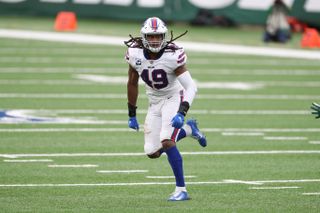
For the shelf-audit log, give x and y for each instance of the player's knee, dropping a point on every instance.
(154, 155)
(167, 144)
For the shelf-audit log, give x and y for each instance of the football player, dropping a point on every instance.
(170, 90)
(316, 109)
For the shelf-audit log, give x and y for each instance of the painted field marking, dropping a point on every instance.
(45, 82)
(275, 187)
(43, 70)
(311, 193)
(314, 142)
(121, 96)
(122, 171)
(271, 152)
(285, 138)
(67, 60)
(243, 182)
(190, 46)
(169, 177)
(242, 133)
(73, 166)
(123, 79)
(27, 161)
(130, 130)
(41, 50)
(194, 111)
(232, 72)
(152, 183)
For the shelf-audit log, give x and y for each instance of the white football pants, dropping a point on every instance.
(157, 125)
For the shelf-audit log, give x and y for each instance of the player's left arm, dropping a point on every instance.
(185, 79)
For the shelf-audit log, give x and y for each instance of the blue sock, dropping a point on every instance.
(182, 134)
(176, 164)
(178, 134)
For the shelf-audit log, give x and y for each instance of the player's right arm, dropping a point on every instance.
(132, 95)
(132, 86)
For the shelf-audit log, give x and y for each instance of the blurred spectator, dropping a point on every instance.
(277, 26)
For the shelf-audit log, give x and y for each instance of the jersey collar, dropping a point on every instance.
(147, 55)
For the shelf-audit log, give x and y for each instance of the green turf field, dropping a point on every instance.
(263, 149)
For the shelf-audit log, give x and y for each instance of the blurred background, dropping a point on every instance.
(245, 15)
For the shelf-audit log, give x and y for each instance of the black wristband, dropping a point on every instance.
(131, 110)
(184, 107)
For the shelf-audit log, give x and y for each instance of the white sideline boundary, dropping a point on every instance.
(270, 152)
(158, 183)
(190, 46)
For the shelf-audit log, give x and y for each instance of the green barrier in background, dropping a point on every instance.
(240, 11)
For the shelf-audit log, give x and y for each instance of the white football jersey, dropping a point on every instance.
(158, 75)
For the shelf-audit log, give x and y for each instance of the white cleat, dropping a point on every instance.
(179, 196)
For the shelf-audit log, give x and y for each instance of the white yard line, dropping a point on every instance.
(122, 171)
(121, 96)
(52, 60)
(69, 130)
(242, 133)
(286, 138)
(27, 161)
(275, 187)
(243, 182)
(43, 70)
(169, 177)
(265, 130)
(194, 111)
(153, 183)
(258, 152)
(314, 142)
(73, 166)
(202, 85)
(130, 130)
(190, 46)
(311, 193)
(58, 51)
(106, 70)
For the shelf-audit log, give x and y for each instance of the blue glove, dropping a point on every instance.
(178, 120)
(133, 123)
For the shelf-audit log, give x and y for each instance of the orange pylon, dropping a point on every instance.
(310, 38)
(65, 21)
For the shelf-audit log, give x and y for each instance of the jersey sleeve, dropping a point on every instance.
(177, 57)
(181, 57)
(129, 57)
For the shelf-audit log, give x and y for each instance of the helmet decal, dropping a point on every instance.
(154, 24)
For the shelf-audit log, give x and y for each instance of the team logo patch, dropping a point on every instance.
(138, 62)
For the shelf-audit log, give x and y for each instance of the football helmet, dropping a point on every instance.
(153, 33)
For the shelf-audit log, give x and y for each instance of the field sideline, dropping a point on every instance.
(65, 145)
